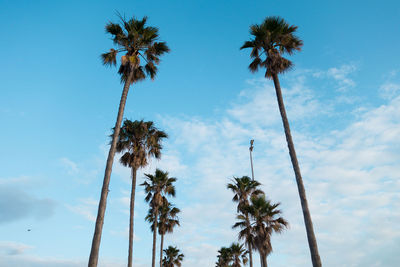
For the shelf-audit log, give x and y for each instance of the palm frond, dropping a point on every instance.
(255, 64)
(109, 58)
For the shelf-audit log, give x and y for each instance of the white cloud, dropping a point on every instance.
(71, 167)
(87, 207)
(389, 90)
(340, 75)
(13, 248)
(82, 172)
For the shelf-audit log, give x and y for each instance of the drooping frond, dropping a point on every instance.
(109, 58)
(264, 219)
(255, 64)
(151, 69)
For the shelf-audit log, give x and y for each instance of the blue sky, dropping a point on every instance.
(58, 104)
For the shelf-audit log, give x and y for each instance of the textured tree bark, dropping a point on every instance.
(94, 252)
(131, 217)
(153, 260)
(161, 249)
(312, 242)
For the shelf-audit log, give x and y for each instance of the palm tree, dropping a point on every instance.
(137, 40)
(157, 187)
(239, 255)
(167, 220)
(264, 222)
(224, 257)
(244, 188)
(139, 141)
(172, 257)
(274, 37)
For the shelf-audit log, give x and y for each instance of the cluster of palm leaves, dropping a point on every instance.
(142, 50)
(233, 256)
(172, 258)
(257, 218)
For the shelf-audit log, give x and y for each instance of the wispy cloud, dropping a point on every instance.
(340, 74)
(86, 207)
(13, 248)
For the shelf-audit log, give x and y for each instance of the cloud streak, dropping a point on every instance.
(17, 204)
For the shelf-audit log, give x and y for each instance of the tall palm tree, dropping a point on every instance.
(139, 141)
(271, 39)
(157, 186)
(173, 257)
(265, 221)
(239, 255)
(137, 41)
(167, 220)
(244, 188)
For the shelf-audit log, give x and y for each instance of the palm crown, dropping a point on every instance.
(137, 41)
(264, 214)
(140, 140)
(243, 188)
(167, 220)
(224, 257)
(273, 38)
(232, 256)
(173, 257)
(239, 255)
(157, 186)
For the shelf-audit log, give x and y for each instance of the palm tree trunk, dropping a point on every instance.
(153, 260)
(312, 242)
(161, 249)
(250, 254)
(261, 260)
(94, 252)
(131, 221)
(249, 243)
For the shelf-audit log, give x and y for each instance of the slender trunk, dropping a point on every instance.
(265, 261)
(94, 252)
(153, 260)
(312, 242)
(261, 260)
(132, 212)
(161, 249)
(249, 243)
(250, 254)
